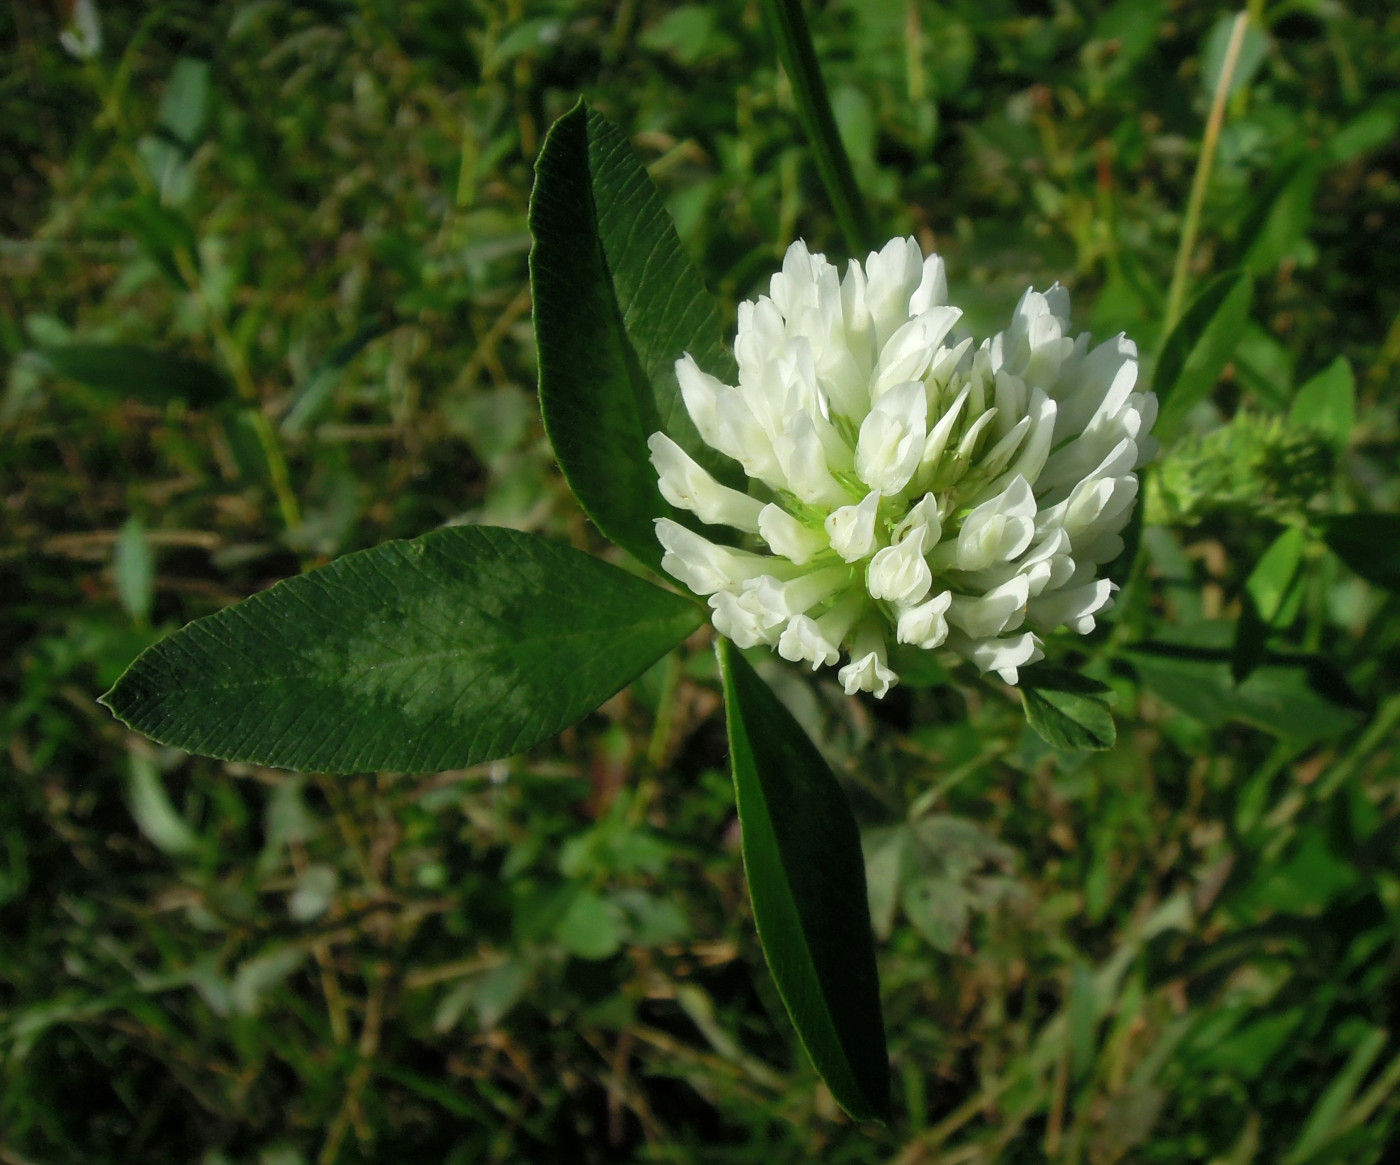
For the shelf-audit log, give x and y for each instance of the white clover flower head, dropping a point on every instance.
(904, 482)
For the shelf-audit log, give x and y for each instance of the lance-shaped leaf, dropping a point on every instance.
(616, 304)
(807, 880)
(465, 645)
(1199, 347)
(145, 374)
(1066, 709)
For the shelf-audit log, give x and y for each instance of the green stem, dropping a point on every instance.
(788, 27)
(1192, 224)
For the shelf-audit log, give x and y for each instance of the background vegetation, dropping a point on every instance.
(298, 233)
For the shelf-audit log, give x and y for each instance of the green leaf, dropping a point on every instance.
(1327, 403)
(616, 304)
(184, 106)
(153, 812)
(1066, 709)
(134, 570)
(1368, 130)
(1199, 347)
(1272, 577)
(464, 645)
(1369, 544)
(145, 374)
(1254, 49)
(806, 877)
(591, 927)
(1299, 698)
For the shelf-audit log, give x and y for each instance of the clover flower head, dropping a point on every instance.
(905, 483)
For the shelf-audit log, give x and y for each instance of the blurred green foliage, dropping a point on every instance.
(262, 302)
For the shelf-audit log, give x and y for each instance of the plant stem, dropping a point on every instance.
(788, 27)
(1192, 224)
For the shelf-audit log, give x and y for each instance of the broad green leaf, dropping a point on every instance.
(1299, 698)
(591, 927)
(1277, 226)
(1369, 544)
(464, 645)
(806, 877)
(145, 374)
(184, 106)
(1254, 48)
(616, 304)
(1327, 403)
(1066, 709)
(1133, 26)
(1272, 577)
(1368, 130)
(1199, 347)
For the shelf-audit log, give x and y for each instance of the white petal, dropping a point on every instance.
(868, 670)
(686, 484)
(892, 277)
(700, 392)
(740, 617)
(852, 528)
(787, 536)
(925, 625)
(802, 641)
(996, 531)
(898, 573)
(705, 567)
(795, 596)
(933, 287)
(803, 464)
(1003, 656)
(1002, 609)
(1073, 607)
(911, 350)
(892, 438)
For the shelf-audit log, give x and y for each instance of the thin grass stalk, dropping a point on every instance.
(1190, 228)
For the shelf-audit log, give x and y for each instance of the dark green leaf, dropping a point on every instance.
(1368, 130)
(1369, 544)
(1272, 578)
(1254, 49)
(145, 374)
(1278, 225)
(1251, 643)
(464, 645)
(616, 304)
(1067, 709)
(807, 881)
(184, 106)
(1199, 347)
(1327, 403)
(1300, 698)
(160, 231)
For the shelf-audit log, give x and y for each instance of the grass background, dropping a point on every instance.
(1182, 950)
